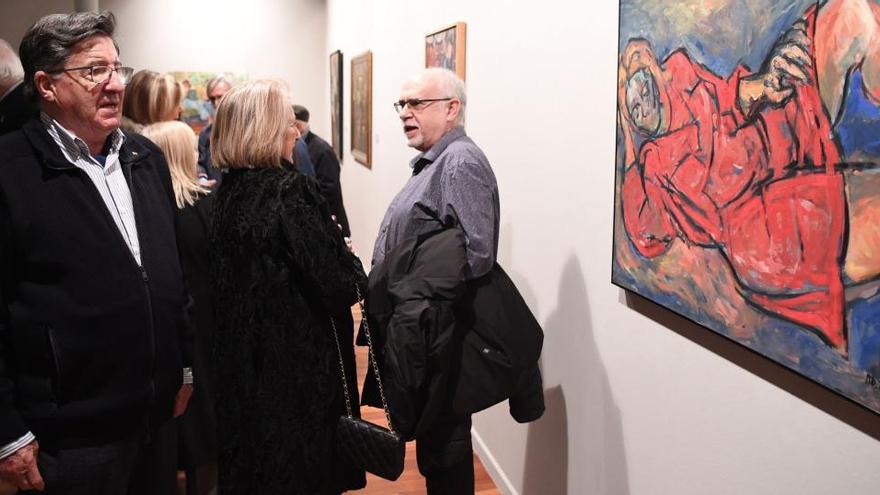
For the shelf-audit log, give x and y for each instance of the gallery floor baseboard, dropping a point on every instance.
(491, 464)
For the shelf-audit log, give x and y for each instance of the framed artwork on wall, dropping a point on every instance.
(747, 191)
(336, 102)
(362, 108)
(446, 48)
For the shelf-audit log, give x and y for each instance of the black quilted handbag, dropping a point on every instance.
(366, 445)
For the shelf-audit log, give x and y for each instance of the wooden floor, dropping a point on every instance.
(410, 482)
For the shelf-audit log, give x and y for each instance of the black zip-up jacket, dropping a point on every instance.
(448, 346)
(90, 343)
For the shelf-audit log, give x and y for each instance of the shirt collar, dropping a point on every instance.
(423, 159)
(74, 147)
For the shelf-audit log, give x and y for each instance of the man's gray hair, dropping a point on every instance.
(450, 85)
(47, 44)
(216, 81)
(10, 66)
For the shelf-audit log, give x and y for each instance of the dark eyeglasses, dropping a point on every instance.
(416, 103)
(99, 74)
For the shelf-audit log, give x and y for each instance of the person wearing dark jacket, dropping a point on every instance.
(92, 300)
(326, 165)
(15, 108)
(280, 271)
(452, 185)
(197, 440)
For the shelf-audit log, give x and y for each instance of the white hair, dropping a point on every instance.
(11, 71)
(450, 84)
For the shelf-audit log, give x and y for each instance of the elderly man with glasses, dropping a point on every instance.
(452, 185)
(92, 319)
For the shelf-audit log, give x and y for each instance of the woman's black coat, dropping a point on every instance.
(280, 269)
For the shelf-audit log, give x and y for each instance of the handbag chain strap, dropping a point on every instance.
(372, 361)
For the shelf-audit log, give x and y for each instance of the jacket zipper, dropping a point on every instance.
(57, 363)
(144, 277)
(146, 280)
(149, 298)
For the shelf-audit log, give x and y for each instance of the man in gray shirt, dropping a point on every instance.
(452, 185)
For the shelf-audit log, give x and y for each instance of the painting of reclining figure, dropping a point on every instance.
(748, 176)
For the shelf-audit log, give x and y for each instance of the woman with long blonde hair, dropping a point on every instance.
(178, 141)
(196, 430)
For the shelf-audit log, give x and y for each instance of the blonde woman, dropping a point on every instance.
(197, 427)
(151, 97)
(280, 270)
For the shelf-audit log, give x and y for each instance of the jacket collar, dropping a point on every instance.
(50, 155)
(424, 159)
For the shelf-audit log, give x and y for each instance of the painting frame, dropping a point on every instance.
(698, 272)
(362, 108)
(336, 109)
(447, 47)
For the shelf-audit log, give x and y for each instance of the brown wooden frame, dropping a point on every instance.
(362, 108)
(336, 103)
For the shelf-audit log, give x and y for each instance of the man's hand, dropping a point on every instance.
(20, 468)
(182, 399)
(788, 65)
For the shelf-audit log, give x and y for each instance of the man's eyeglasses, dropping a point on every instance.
(99, 74)
(416, 103)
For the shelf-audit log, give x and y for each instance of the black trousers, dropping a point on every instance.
(144, 463)
(445, 457)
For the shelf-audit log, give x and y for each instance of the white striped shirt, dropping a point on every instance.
(108, 179)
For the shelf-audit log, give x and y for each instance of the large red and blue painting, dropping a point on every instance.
(748, 176)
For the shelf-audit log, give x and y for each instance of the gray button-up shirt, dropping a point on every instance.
(452, 185)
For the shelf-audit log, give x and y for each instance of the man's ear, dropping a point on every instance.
(454, 110)
(45, 85)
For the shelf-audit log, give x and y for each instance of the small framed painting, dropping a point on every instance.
(362, 108)
(446, 48)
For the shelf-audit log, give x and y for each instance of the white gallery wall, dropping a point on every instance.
(280, 39)
(18, 15)
(633, 408)
(260, 38)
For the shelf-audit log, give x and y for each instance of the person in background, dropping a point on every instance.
(326, 166)
(149, 98)
(15, 109)
(93, 331)
(302, 160)
(280, 271)
(197, 427)
(216, 88)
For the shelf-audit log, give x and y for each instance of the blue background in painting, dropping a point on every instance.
(859, 127)
(743, 33)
